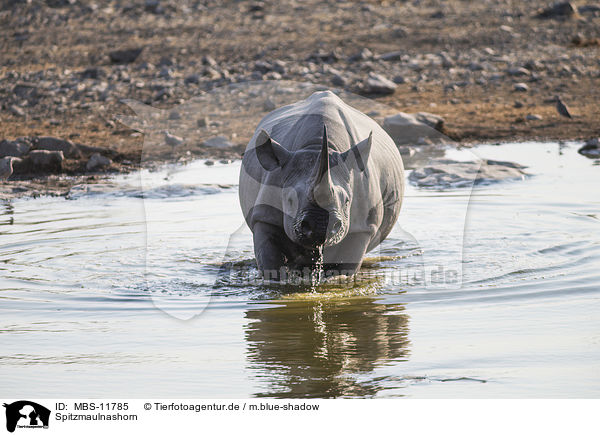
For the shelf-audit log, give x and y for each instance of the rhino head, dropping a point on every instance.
(317, 187)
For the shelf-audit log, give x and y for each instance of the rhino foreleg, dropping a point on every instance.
(346, 257)
(270, 257)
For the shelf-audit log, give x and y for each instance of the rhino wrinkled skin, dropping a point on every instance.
(320, 182)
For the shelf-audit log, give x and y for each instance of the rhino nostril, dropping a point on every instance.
(306, 228)
(337, 226)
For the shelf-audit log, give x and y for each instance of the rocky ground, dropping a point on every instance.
(491, 69)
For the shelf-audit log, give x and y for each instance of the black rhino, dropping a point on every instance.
(320, 183)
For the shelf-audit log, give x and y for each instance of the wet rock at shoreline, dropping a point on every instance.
(434, 121)
(445, 173)
(407, 128)
(591, 148)
(97, 161)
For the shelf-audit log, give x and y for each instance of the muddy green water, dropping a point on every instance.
(109, 294)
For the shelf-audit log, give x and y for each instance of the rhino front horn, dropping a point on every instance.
(322, 185)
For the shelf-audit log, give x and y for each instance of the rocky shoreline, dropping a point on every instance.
(490, 71)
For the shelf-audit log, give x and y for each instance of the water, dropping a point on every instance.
(95, 292)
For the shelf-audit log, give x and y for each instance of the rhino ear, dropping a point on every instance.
(358, 155)
(270, 154)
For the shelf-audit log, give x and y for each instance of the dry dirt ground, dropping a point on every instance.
(459, 59)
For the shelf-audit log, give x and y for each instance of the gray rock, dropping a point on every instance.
(591, 148)
(533, 117)
(211, 73)
(558, 10)
(25, 91)
(256, 7)
(262, 66)
(279, 66)
(589, 8)
(445, 173)
(97, 161)
(518, 72)
(125, 56)
(378, 84)
(165, 73)
(192, 79)
(154, 7)
(93, 73)
(434, 121)
(45, 161)
(217, 142)
(273, 75)
(165, 61)
(364, 54)
(520, 87)
(406, 151)
(209, 61)
(534, 65)
(203, 122)
(16, 110)
(392, 56)
(48, 143)
(447, 61)
(406, 128)
(269, 105)
(518, 104)
(339, 80)
(10, 148)
(400, 32)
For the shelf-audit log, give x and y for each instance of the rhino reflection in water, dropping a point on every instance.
(318, 349)
(320, 183)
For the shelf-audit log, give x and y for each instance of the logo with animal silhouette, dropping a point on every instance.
(25, 414)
